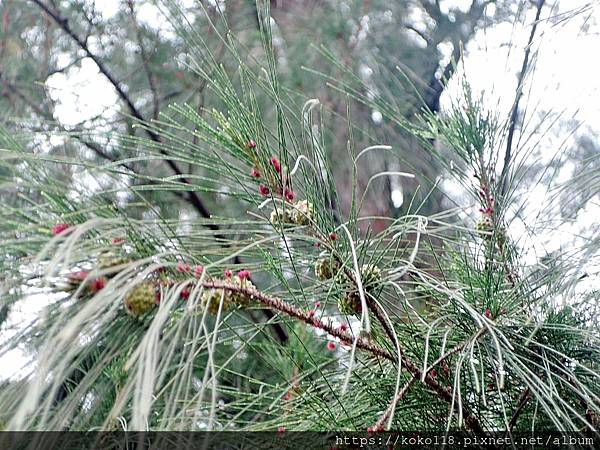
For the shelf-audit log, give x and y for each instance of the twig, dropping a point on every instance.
(63, 22)
(520, 407)
(191, 196)
(379, 426)
(515, 109)
(444, 392)
(145, 61)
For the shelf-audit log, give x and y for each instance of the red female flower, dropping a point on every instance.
(98, 283)
(243, 274)
(331, 345)
(227, 273)
(198, 271)
(251, 143)
(183, 267)
(60, 227)
(276, 164)
(333, 235)
(264, 190)
(289, 194)
(255, 173)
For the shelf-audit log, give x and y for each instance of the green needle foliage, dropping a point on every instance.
(151, 322)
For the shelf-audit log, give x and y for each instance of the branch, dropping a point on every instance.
(520, 407)
(515, 110)
(470, 18)
(443, 392)
(380, 425)
(191, 196)
(63, 22)
(145, 59)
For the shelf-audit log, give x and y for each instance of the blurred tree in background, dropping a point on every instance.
(135, 48)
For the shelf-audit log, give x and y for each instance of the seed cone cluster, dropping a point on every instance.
(140, 299)
(350, 303)
(211, 298)
(299, 213)
(326, 268)
(108, 260)
(485, 224)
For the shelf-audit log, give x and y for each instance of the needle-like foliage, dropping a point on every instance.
(141, 321)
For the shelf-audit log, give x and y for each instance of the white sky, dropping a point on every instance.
(566, 80)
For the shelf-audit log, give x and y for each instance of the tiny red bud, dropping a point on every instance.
(255, 173)
(118, 240)
(157, 296)
(343, 327)
(98, 283)
(228, 273)
(60, 227)
(264, 190)
(183, 267)
(198, 271)
(287, 396)
(331, 345)
(281, 429)
(243, 274)
(317, 244)
(433, 373)
(79, 275)
(317, 304)
(276, 164)
(333, 235)
(289, 194)
(185, 293)
(251, 143)
(488, 313)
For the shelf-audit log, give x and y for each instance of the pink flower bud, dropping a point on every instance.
(251, 143)
(243, 274)
(255, 173)
(331, 345)
(264, 190)
(182, 267)
(276, 164)
(60, 227)
(289, 194)
(98, 283)
(228, 273)
(333, 235)
(198, 271)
